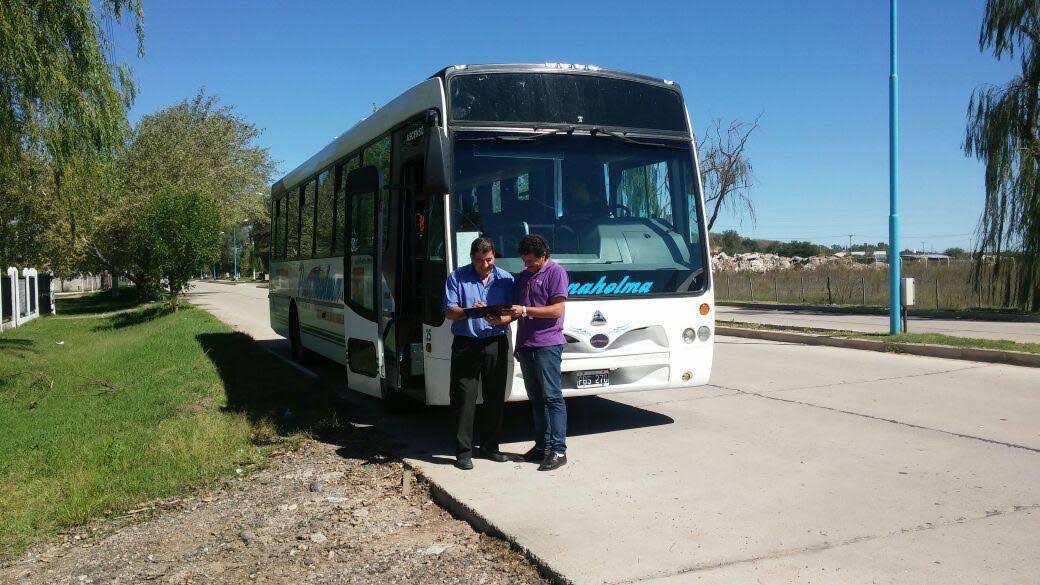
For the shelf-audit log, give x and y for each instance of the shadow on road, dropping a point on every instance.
(268, 390)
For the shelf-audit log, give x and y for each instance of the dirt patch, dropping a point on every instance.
(322, 513)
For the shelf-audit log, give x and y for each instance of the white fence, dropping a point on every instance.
(21, 296)
(85, 283)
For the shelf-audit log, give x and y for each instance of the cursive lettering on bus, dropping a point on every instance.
(604, 287)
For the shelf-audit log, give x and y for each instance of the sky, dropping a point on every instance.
(815, 73)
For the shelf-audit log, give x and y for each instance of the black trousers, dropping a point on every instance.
(478, 364)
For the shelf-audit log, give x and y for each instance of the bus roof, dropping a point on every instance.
(551, 68)
(430, 94)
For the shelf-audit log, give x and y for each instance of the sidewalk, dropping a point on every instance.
(1009, 330)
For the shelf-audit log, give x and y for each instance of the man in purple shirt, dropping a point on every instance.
(541, 291)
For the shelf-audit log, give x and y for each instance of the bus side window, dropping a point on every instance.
(292, 222)
(339, 247)
(323, 225)
(277, 230)
(307, 221)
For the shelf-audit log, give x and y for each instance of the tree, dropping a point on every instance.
(956, 253)
(1002, 132)
(196, 146)
(178, 232)
(62, 110)
(726, 168)
(59, 94)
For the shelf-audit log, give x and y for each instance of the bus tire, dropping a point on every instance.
(296, 349)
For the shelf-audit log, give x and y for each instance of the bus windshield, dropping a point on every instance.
(620, 215)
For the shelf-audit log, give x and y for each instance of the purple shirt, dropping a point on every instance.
(535, 290)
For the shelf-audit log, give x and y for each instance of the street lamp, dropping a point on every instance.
(894, 247)
(234, 249)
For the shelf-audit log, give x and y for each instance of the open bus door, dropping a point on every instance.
(363, 265)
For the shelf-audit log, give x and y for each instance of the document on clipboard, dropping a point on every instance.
(481, 312)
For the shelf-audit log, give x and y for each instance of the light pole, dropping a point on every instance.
(894, 247)
(234, 249)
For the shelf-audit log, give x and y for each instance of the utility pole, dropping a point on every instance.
(894, 247)
(234, 248)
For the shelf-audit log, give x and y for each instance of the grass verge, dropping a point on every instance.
(918, 338)
(99, 414)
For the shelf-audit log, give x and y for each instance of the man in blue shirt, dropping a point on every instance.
(479, 352)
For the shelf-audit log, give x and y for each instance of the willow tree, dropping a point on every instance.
(63, 103)
(1003, 133)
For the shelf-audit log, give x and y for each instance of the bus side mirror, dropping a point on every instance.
(436, 167)
(363, 180)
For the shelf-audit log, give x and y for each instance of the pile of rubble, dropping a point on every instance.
(759, 262)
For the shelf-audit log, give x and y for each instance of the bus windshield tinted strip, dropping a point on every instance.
(560, 98)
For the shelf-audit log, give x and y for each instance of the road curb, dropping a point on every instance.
(965, 315)
(996, 356)
(466, 513)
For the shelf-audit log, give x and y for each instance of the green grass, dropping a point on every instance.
(940, 339)
(98, 414)
(921, 338)
(97, 303)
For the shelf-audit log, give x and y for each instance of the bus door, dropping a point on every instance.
(412, 286)
(405, 273)
(362, 263)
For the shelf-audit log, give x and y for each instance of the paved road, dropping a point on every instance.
(1015, 331)
(799, 464)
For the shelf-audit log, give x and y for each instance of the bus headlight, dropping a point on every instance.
(689, 336)
(704, 333)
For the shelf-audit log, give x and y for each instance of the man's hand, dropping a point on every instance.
(498, 320)
(516, 311)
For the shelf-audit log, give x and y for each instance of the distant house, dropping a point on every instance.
(880, 256)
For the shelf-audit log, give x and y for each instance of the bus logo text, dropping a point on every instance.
(602, 287)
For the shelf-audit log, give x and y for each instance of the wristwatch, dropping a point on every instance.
(523, 312)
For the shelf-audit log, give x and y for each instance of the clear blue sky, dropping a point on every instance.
(817, 71)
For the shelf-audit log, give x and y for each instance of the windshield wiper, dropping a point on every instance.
(594, 132)
(532, 138)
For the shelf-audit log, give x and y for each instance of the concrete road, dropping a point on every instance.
(1014, 331)
(799, 464)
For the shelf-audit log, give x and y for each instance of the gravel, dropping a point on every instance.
(320, 513)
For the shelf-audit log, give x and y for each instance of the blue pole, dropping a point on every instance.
(234, 246)
(894, 246)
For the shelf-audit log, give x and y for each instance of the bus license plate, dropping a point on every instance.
(593, 378)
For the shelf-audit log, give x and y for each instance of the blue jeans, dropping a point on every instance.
(541, 369)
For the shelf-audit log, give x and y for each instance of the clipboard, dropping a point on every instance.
(481, 312)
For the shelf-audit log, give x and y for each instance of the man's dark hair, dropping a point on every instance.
(481, 245)
(533, 244)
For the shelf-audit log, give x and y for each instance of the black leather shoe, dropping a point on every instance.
(496, 456)
(464, 463)
(553, 461)
(535, 455)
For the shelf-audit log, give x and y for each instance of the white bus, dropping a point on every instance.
(601, 163)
